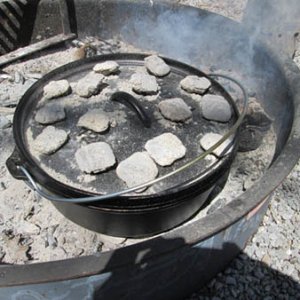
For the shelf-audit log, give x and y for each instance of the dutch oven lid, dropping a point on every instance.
(131, 126)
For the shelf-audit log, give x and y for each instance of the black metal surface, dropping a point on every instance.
(139, 222)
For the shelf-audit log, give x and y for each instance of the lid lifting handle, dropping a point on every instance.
(132, 103)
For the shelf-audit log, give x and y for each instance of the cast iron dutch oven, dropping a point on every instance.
(164, 205)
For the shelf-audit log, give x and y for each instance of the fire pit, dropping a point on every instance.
(169, 266)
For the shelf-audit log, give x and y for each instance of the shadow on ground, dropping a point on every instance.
(176, 274)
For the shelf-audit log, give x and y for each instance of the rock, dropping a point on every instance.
(50, 140)
(165, 149)
(55, 89)
(257, 116)
(216, 108)
(34, 75)
(95, 158)
(137, 169)
(50, 239)
(4, 122)
(195, 84)
(5, 76)
(19, 78)
(107, 68)
(26, 228)
(231, 280)
(19, 253)
(254, 127)
(50, 113)
(89, 85)
(211, 139)
(247, 183)
(175, 110)
(144, 84)
(157, 66)
(95, 120)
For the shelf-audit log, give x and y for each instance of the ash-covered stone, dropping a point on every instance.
(95, 158)
(31, 75)
(11, 93)
(216, 108)
(254, 127)
(4, 122)
(175, 110)
(195, 84)
(165, 149)
(19, 78)
(95, 120)
(89, 85)
(55, 89)
(211, 139)
(144, 84)
(107, 68)
(137, 169)
(27, 228)
(50, 113)
(50, 140)
(157, 66)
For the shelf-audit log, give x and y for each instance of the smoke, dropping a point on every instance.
(196, 36)
(193, 36)
(275, 21)
(204, 39)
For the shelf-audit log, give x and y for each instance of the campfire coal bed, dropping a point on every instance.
(237, 211)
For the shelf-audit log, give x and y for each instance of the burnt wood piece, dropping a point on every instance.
(22, 52)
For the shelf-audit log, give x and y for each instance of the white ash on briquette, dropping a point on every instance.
(216, 108)
(210, 139)
(195, 84)
(95, 158)
(137, 169)
(4, 122)
(165, 149)
(107, 68)
(55, 89)
(50, 113)
(96, 120)
(157, 66)
(89, 85)
(50, 140)
(144, 84)
(175, 109)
